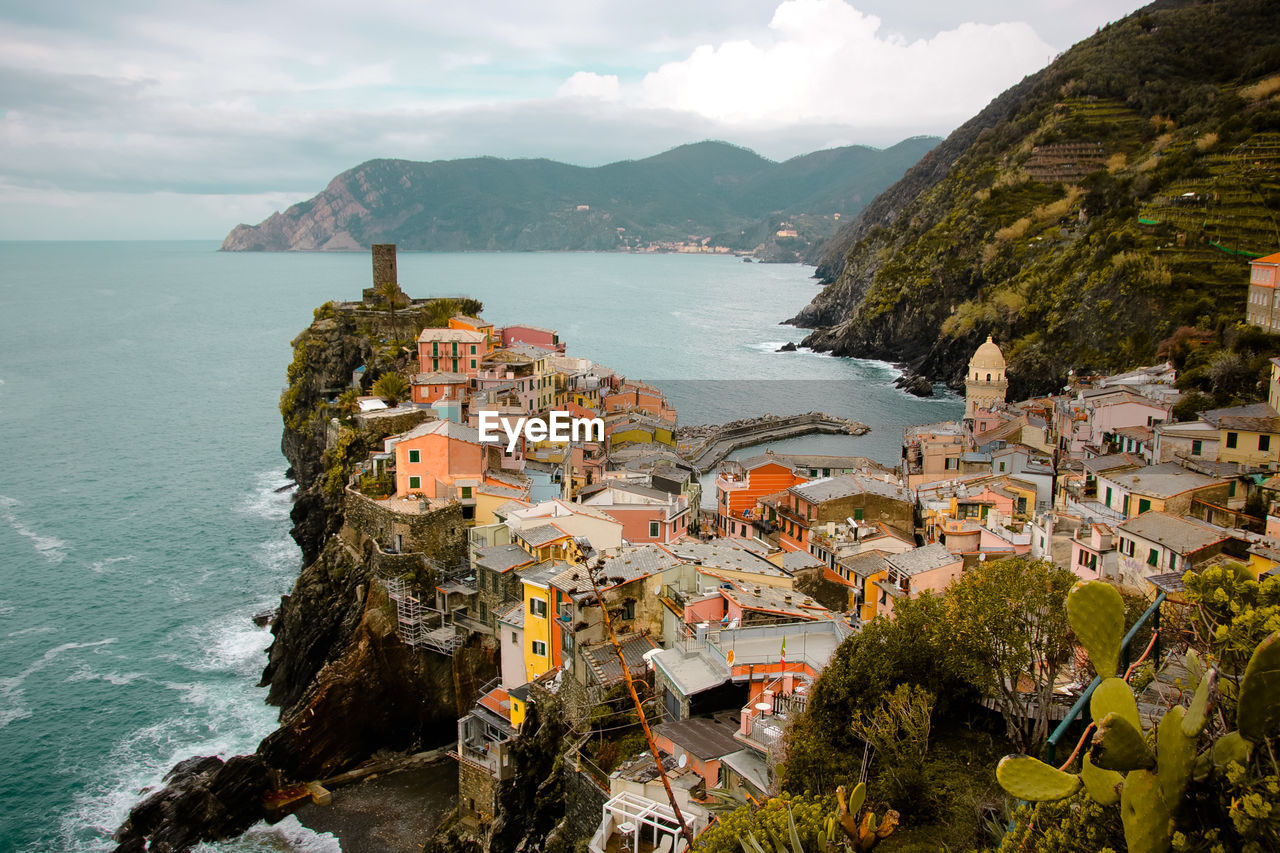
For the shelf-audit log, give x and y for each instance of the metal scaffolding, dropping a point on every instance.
(418, 625)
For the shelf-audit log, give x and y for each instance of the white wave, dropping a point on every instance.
(267, 500)
(229, 722)
(289, 834)
(51, 548)
(6, 609)
(85, 673)
(280, 555)
(100, 566)
(12, 707)
(231, 644)
(35, 629)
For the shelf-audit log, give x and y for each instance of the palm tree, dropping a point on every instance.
(348, 401)
(390, 291)
(391, 387)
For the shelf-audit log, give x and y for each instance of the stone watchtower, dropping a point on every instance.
(985, 384)
(384, 271)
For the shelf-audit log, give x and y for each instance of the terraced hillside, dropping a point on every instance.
(1084, 215)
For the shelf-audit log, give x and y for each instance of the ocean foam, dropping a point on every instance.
(100, 566)
(288, 834)
(12, 708)
(267, 500)
(51, 548)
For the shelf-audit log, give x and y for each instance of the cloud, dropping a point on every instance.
(588, 84)
(829, 62)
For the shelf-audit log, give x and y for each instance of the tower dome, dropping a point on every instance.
(987, 356)
(985, 383)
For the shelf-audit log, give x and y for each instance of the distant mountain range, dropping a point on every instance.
(709, 191)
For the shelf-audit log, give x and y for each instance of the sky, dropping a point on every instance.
(150, 119)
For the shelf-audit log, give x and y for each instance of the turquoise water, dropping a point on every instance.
(140, 522)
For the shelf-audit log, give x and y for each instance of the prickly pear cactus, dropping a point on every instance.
(1117, 745)
(1113, 696)
(1145, 814)
(1096, 613)
(1031, 779)
(1175, 754)
(1259, 710)
(1102, 785)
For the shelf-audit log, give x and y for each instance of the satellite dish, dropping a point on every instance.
(684, 760)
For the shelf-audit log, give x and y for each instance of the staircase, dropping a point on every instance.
(1168, 688)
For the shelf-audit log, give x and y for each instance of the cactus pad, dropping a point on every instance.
(1145, 814)
(1113, 695)
(1259, 710)
(1096, 613)
(1102, 785)
(1031, 779)
(1193, 722)
(1195, 669)
(1175, 754)
(1117, 745)
(1230, 747)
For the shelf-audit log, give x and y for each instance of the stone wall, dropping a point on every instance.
(583, 803)
(476, 792)
(439, 535)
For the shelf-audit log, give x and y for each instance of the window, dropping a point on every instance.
(539, 648)
(414, 456)
(1153, 557)
(538, 607)
(415, 482)
(473, 364)
(1143, 505)
(1264, 442)
(857, 515)
(629, 609)
(653, 528)
(952, 464)
(473, 352)
(1196, 447)
(466, 492)
(514, 639)
(1173, 561)
(1232, 438)
(1108, 500)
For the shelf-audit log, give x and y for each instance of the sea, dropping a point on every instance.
(144, 501)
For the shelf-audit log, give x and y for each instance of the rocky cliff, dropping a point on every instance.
(1084, 215)
(489, 204)
(346, 685)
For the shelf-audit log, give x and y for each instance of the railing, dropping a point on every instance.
(1081, 707)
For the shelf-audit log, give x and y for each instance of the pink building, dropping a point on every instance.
(1085, 422)
(928, 569)
(451, 351)
(536, 336)
(647, 514)
(1093, 552)
(428, 388)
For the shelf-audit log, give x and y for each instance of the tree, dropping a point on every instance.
(1009, 623)
(898, 730)
(912, 648)
(391, 387)
(391, 294)
(348, 401)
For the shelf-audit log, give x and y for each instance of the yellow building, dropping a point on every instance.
(539, 650)
(1251, 437)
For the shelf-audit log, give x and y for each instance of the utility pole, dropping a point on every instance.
(582, 559)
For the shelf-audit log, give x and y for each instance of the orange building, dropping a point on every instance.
(439, 459)
(475, 324)
(1264, 298)
(739, 485)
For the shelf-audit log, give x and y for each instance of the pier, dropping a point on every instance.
(706, 446)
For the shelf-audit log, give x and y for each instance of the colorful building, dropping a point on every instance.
(451, 351)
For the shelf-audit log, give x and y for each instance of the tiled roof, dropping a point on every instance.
(603, 659)
(703, 737)
(542, 534)
(1182, 535)
(724, 554)
(847, 485)
(1161, 481)
(924, 559)
(502, 558)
